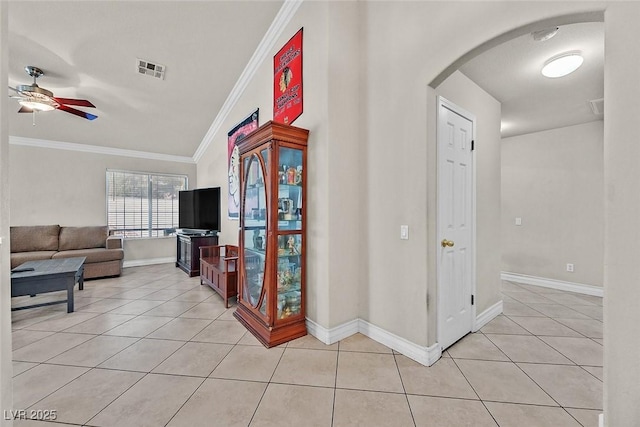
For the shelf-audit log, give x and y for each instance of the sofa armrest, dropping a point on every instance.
(114, 242)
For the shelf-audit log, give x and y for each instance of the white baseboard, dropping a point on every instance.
(488, 315)
(423, 355)
(333, 335)
(553, 284)
(150, 261)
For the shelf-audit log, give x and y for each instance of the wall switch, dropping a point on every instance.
(404, 232)
(518, 221)
(570, 268)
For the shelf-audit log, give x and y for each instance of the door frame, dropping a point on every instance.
(445, 103)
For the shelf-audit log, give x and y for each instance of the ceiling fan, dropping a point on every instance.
(35, 98)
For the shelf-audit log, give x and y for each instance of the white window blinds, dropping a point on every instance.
(142, 204)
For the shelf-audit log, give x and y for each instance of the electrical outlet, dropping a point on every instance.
(570, 268)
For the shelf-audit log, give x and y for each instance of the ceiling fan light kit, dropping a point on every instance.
(562, 65)
(33, 98)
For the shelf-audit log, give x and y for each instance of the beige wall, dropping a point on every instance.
(77, 195)
(6, 368)
(554, 180)
(622, 210)
(404, 46)
(365, 181)
(212, 167)
(487, 110)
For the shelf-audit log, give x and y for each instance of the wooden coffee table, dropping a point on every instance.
(48, 275)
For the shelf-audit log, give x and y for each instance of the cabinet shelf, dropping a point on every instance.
(271, 283)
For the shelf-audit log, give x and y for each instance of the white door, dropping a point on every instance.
(455, 222)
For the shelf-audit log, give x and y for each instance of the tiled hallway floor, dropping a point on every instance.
(154, 348)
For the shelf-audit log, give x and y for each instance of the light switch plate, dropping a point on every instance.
(518, 221)
(404, 232)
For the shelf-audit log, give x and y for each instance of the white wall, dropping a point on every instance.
(622, 210)
(554, 181)
(51, 186)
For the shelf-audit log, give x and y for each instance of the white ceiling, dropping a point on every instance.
(531, 102)
(88, 50)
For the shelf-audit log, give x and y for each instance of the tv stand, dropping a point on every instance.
(188, 250)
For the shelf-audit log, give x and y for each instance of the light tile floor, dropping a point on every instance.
(154, 348)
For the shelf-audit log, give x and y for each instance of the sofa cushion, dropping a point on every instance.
(82, 237)
(34, 238)
(93, 255)
(18, 258)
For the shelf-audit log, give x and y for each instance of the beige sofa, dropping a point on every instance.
(104, 253)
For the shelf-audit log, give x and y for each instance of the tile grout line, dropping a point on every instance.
(474, 390)
(185, 402)
(534, 381)
(335, 386)
(406, 397)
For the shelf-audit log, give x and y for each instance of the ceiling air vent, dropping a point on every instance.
(597, 106)
(151, 69)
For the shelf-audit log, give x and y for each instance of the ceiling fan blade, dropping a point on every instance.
(71, 101)
(13, 89)
(25, 110)
(77, 112)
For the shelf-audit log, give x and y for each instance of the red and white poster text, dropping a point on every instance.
(287, 81)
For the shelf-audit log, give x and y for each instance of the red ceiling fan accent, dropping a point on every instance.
(34, 98)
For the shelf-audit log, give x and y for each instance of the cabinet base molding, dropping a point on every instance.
(424, 355)
(270, 337)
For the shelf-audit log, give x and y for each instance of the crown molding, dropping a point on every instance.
(286, 12)
(96, 149)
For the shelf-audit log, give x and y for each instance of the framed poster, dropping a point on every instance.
(287, 81)
(235, 135)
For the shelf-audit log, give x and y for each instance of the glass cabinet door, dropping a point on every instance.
(255, 239)
(289, 276)
(290, 189)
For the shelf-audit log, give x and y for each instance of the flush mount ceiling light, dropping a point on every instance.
(563, 64)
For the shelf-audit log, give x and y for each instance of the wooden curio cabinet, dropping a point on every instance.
(271, 284)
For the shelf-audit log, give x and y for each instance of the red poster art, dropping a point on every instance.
(287, 81)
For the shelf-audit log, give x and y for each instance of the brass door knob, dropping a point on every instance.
(446, 243)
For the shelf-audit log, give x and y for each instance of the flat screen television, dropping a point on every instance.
(199, 209)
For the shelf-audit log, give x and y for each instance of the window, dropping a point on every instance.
(142, 204)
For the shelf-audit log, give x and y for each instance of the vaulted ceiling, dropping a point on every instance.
(89, 50)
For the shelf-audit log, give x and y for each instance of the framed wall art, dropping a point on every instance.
(287, 81)
(235, 135)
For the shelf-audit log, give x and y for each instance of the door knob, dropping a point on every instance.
(446, 243)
